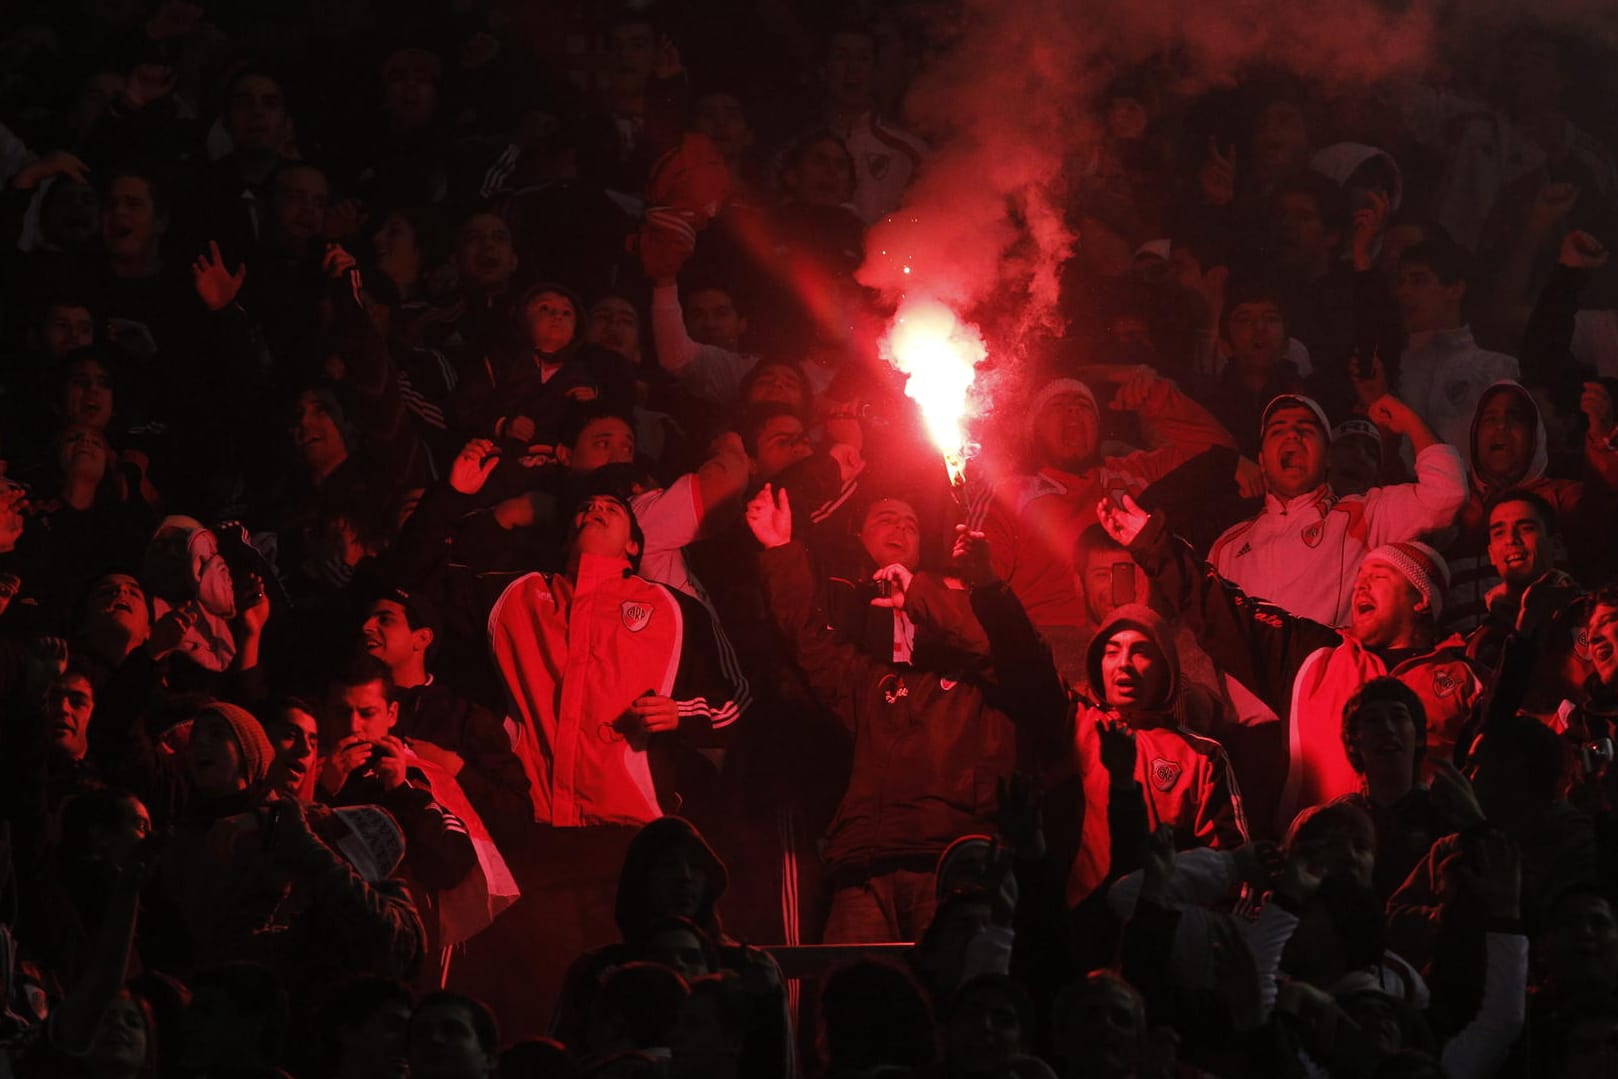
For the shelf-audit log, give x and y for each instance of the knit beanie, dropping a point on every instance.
(257, 752)
(1419, 564)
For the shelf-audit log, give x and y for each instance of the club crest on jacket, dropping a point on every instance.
(636, 615)
(1165, 774)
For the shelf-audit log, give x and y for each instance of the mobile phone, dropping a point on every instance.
(1123, 583)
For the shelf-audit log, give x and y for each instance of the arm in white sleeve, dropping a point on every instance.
(1482, 1045)
(1404, 511)
(1267, 938)
(675, 349)
(1202, 877)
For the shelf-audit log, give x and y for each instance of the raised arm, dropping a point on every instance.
(832, 667)
(1258, 644)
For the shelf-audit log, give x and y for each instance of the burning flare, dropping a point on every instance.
(939, 353)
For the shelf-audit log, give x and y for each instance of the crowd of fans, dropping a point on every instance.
(474, 601)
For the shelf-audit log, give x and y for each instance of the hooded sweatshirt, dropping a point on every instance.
(1184, 779)
(1443, 374)
(1472, 576)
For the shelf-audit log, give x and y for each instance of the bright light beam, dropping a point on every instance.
(939, 355)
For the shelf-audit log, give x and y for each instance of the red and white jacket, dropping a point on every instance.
(574, 653)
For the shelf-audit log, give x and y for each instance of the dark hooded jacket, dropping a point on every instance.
(769, 1032)
(1181, 779)
(930, 741)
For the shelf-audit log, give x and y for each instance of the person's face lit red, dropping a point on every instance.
(296, 738)
(778, 385)
(1065, 431)
(783, 442)
(615, 326)
(214, 757)
(129, 222)
(1280, 138)
(83, 453)
(67, 327)
(119, 599)
(69, 703)
(302, 197)
(552, 322)
(607, 440)
(398, 251)
(316, 434)
(1383, 610)
(1604, 643)
(821, 175)
(87, 395)
(601, 528)
(712, 319)
(1303, 240)
(362, 710)
(1503, 447)
(409, 94)
(256, 115)
(850, 70)
(1293, 452)
(722, 118)
(484, 256)
(1425, 302)
(1519, 548)
(892, 533)
(1134, 671)
(1258, 335)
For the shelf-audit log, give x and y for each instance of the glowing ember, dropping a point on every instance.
(940, 354)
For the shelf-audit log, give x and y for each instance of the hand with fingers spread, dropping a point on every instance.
(769, 515)
(1367, 226)
(472, 466)
(1454, 798)
(1582, 251)
(970, 557)
(1217, 176)
(216, 286)
(893, 580)
(1123, 519)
